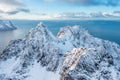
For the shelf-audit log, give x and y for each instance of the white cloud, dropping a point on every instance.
(71, 15)
(68, 15)
(83, 15)
(12, 7)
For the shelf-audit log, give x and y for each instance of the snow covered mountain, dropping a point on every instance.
(6, 25)
(69, 56)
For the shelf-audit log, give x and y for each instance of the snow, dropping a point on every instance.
(8, 66)
(6, 25)
(39, 56)
(37, 72)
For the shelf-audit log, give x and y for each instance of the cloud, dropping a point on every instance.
(113, 14)
(17, 11)
(95, 2)
(90, 2)
(49, 0)
(11, 7)
(105, 15)
(11, 2)
(71, 15)
(83, 15)
(1, 11)
(116, 12)
(97, 15)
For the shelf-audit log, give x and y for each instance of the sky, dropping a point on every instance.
(59, 9)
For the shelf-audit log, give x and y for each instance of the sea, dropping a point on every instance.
(105, 29)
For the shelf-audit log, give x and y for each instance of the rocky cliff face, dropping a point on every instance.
(42, 56)
(6, 25)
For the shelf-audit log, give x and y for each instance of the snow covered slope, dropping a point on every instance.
(6, 25)
(41, 55)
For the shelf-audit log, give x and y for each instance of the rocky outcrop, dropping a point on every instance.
(42, 56)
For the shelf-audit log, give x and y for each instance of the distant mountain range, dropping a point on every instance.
(69, 56)
(6, 25)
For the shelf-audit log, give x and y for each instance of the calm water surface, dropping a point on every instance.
(105, 29)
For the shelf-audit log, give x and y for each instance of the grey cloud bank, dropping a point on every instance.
(11, 2)
(94, 2)
(17, 11)
(12, 7)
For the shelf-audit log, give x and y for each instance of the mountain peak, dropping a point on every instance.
(71, 31)
(6, 25)
(42, 53)
(40, 24)
(40, 33)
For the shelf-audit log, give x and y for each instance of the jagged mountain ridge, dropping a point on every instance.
(6, 25)
(40, 54)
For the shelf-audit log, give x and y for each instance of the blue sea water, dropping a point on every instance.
(105, 29)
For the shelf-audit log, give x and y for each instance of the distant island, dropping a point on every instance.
(6, 25)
